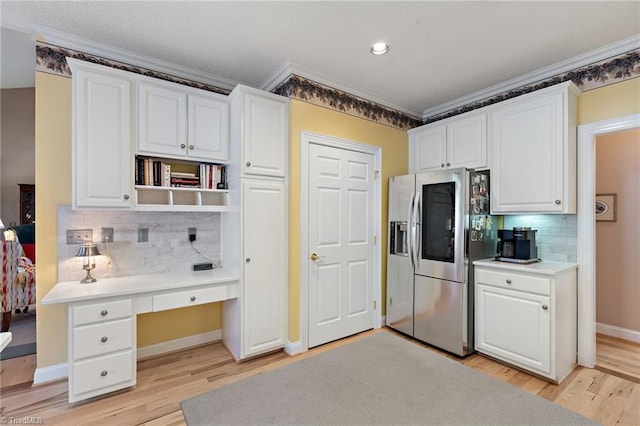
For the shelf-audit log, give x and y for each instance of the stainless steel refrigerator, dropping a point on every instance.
(439, 222)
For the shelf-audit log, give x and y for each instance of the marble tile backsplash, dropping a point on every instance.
(556, 235)
(168, 247)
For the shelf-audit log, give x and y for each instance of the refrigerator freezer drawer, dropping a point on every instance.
(440, 314)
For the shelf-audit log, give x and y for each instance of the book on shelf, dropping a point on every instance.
(155, 172)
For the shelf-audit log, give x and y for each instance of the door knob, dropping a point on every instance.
(315, 257)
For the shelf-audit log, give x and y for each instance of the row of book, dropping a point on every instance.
(152, 172)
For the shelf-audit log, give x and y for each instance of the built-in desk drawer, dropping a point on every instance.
(102, 311)
(107, 371)
(196, 296)
(514, 281)
(99, 339)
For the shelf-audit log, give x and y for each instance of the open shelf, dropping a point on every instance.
(166, 198)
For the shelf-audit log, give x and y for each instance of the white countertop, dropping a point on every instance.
(546, 267)
(5, 339)
(73, 291)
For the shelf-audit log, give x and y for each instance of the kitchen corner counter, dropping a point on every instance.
(74, 291)
(545, 267)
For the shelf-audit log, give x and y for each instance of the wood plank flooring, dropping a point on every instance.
(166, 380)
(618, 357)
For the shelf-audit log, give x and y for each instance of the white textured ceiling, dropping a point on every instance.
(439, 50)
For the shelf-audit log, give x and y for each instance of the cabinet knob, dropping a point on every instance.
(508, 281)
(545, 307)
(248, 163)
(125, 196)
(248, 259)
(103, 373)
(448, 164)
(558, 202)
(183, 146)
(104, 339)
(192, 147)
(193, 298)
(104, 313)
(442, 165)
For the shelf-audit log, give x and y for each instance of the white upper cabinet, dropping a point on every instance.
(459, 141)
(533, 152)
(102, 135)
(180, 122)
(263, 132)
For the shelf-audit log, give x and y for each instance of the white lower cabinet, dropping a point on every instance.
(102, 355)
(256, 322)
(526, 316)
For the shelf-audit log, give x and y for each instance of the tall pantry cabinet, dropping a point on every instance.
(255, 239)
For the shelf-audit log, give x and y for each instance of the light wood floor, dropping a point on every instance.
(166, 380)
(618, 357)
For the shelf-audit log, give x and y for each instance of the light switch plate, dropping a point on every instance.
(79, 236)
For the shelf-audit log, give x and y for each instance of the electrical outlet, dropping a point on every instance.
(192, 234)
(143, 235)
(79, 236)
(107, 235)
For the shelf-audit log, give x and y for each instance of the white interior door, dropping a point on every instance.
(341, 240)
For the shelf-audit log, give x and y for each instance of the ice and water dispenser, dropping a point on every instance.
(398, 238)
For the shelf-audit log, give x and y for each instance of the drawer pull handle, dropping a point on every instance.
(183, 146)
(193, 298)
(104, 339)
(103, 373)
(125, 196)
(104, 313)
(545, 307)
(191, 147)
(558, 202)
(508, 281)
(442, 165)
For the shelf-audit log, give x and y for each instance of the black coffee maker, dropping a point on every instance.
(517, 245)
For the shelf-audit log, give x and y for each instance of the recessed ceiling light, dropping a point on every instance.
(379, 48)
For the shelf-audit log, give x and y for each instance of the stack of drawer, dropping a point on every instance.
(101, 347)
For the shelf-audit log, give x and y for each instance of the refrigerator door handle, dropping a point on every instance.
(410, 239)
(416, 234)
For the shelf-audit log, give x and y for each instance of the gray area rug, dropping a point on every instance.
(381, 379)
(17, 351)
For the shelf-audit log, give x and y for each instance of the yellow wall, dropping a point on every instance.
(53, 188)
(615, 100)
(321, 120)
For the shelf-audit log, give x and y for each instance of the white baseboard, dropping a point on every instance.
(53, 372)
(293, 348)
(61, 371)
(177, 344)
(615, 331)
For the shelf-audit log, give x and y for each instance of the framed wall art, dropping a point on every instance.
(606, 207)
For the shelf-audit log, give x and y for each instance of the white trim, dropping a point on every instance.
(587, 134)
(619, 332)
(588, 58)
(177, 344)
(288, 68)
(58, 38)
(306, 138)
(53, 372)
(293, 348)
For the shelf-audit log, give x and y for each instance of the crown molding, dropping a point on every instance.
(289, 68)
(588, 58)
(58, 38)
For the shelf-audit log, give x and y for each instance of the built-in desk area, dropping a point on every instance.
(102, 321)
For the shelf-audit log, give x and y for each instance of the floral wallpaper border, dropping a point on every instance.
(613, 70)
(51, 59)
(303, 89)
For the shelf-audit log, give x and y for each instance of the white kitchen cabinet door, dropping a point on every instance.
(514, 326)
(533, 149)
(264, 282)
(162, 116)
(265, 135)
(101, 153)
(428, 148)
(467, 142)
(208, 129)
